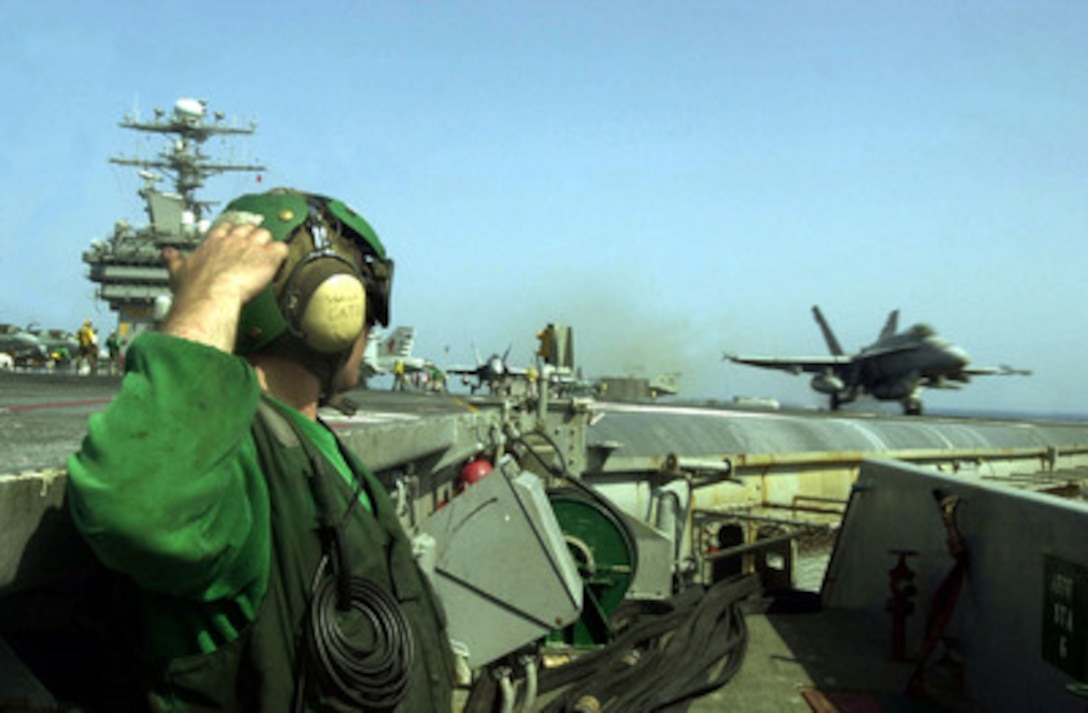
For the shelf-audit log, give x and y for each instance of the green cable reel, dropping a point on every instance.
(607, 558)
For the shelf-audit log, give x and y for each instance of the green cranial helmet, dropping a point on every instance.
(329, 243)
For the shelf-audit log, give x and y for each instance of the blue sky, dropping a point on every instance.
(672, 179)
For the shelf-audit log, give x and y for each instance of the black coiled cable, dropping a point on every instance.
(363, 650)
(359, 639)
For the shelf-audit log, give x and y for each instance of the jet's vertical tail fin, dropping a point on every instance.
(829, 336)
(400, 343)
(373, 342)
(891, 326)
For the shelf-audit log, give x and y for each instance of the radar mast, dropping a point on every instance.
(127, 266)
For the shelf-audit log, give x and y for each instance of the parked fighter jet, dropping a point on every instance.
(893, 368)
(494, 373)
(382, 353)
(61, 345)
(24, 348)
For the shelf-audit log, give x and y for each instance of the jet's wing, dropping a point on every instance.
(793, 365)
(1003, 370)
(964, 375)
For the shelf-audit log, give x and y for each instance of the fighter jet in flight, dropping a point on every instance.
(893, 368)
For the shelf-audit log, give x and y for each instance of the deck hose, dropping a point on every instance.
(661, 658)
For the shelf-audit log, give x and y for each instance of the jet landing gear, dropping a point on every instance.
(838, 398)
(912, 406)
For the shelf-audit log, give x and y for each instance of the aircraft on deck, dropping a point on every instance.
(666, 384)
(893, 368)
(24, 348)
(61, 345)
(382, 353)
(493, 373)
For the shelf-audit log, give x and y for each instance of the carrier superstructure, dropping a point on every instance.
(127, 266)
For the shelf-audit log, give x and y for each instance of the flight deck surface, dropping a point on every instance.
(43, 417)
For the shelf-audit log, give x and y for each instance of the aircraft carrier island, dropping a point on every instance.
(649, 556)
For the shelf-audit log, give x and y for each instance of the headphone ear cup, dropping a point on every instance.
(325, 304)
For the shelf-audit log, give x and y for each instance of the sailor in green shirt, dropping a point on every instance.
(270, 571)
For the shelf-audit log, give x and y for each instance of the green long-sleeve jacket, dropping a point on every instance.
(167, 487)
(172, 489)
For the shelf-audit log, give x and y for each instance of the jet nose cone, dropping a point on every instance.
(958, 355)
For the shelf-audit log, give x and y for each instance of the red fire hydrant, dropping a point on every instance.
(901, 605)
